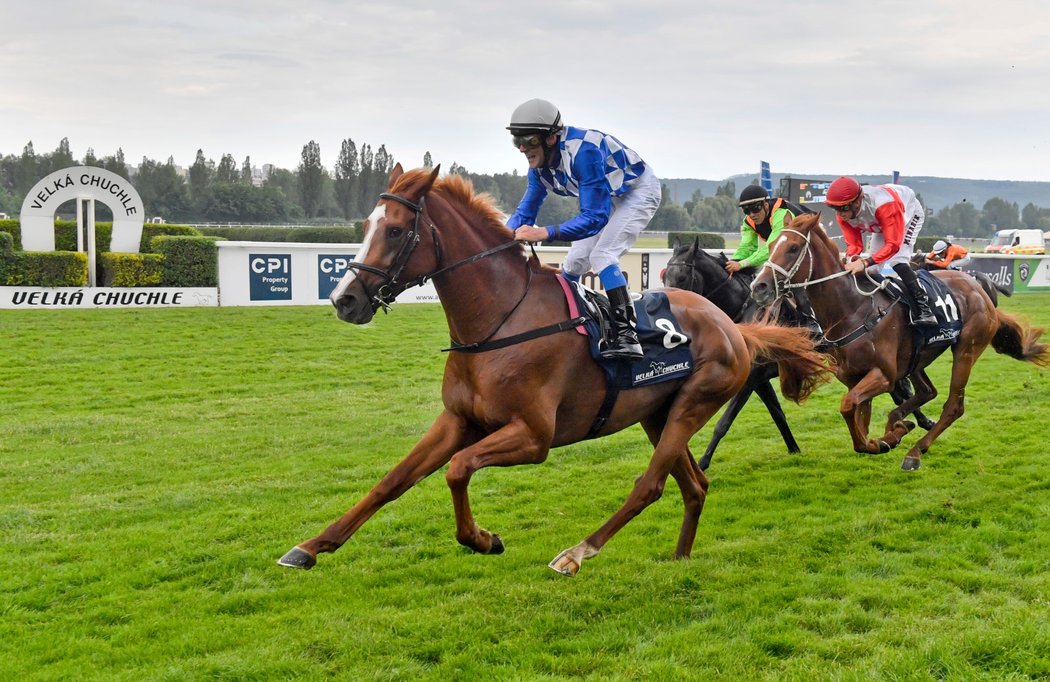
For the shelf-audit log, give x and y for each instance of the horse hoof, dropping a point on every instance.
(564, 564)
(884, 447)
(908, 426)
(910, 464)
(927, 423)
(298, 558)
(497, 545)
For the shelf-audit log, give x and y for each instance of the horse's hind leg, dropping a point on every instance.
(692, 483)
(765, 391)
(953, 408)
(446, 435)
(901, 392)
(694, 405)
(722, 427)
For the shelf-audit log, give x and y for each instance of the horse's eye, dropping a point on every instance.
(793, 248)
(393, 232)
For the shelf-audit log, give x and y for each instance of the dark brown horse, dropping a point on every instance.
(524, 392)
(872, 343)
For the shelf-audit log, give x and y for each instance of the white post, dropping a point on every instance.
(80, 224)
(91, 242)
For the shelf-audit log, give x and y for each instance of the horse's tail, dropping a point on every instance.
(1021, 342)
(802, 368)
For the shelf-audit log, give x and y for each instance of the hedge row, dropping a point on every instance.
(188, 261)
(40, 269)
(707, 239)
(310, 235)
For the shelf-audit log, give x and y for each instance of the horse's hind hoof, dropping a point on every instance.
(884, 447)
(298, 558)
(497, 545)
(927, 423)
(910, 464)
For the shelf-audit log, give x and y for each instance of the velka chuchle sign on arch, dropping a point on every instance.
(82, 183)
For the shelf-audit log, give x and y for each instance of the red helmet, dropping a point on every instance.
(843, 191)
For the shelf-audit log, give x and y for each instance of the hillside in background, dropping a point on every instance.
(937, 193)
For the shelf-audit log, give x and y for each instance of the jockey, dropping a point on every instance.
(618, 194)
(893, 216)
(764, 218)
(946, 255)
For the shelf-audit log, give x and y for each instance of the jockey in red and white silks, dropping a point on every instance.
(893, 216)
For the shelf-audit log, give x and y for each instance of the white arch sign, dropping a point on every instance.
(81, 182)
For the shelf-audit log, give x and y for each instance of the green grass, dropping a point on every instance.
(155, 463)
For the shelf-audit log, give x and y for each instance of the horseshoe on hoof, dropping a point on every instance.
(884, 447)
(298, 558)
(910, 464)
(569, 568)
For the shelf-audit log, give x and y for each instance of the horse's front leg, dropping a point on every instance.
(446, 435)
(855, 408)
(515, 443)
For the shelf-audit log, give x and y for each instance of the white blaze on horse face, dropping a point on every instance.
(373, 221)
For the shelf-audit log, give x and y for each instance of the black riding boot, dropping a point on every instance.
(624, 324)
(806, 318)
(923, 315)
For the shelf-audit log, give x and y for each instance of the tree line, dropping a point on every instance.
(229, 191)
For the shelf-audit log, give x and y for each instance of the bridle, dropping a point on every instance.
(391, 287)
(693, 264)
(782, 285)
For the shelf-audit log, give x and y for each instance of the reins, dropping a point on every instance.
(783, 285)
(386, 293)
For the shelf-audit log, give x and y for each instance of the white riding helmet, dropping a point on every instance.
(535, 116)
(939, 245)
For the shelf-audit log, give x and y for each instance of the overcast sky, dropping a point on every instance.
(699, 88)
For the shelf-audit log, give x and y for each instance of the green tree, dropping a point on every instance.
(247, 177)
(227, 170)
(200, 176)
(1000, 213)
(116, 164)
(347, 170)
(428, 162)
(311, 178)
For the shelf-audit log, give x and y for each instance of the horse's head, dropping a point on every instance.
(388, 261)
(693, 269)
(792, 250)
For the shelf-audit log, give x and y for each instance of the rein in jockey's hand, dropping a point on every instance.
(530, 233)
(856, 266)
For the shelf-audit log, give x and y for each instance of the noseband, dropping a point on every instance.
(782, 285)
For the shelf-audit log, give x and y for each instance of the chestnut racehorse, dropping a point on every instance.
(872, 343)
(693, 269)
(519, 381)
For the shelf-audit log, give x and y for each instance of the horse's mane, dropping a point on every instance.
(811, 222)
(460, 191)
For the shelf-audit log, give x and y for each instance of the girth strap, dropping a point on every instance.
(482, 346)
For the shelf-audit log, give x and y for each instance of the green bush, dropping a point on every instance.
(313, 235)
(707, 239)
(44, 268)
(188, 261)
(151, 230)
(66, 236)
(13, 228)
(131, 269)
(924, 244)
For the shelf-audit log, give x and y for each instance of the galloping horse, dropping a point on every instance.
(530, 385)
(693, 269)
(875, 347)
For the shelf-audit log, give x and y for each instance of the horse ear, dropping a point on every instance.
(430, 180)
(696, 243)
(677, 246)
(396, 173)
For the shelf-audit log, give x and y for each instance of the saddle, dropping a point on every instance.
(942, 304)
(664, 344)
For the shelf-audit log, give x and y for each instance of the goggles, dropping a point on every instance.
(846, 208)
(754, 208)
(527, 141)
